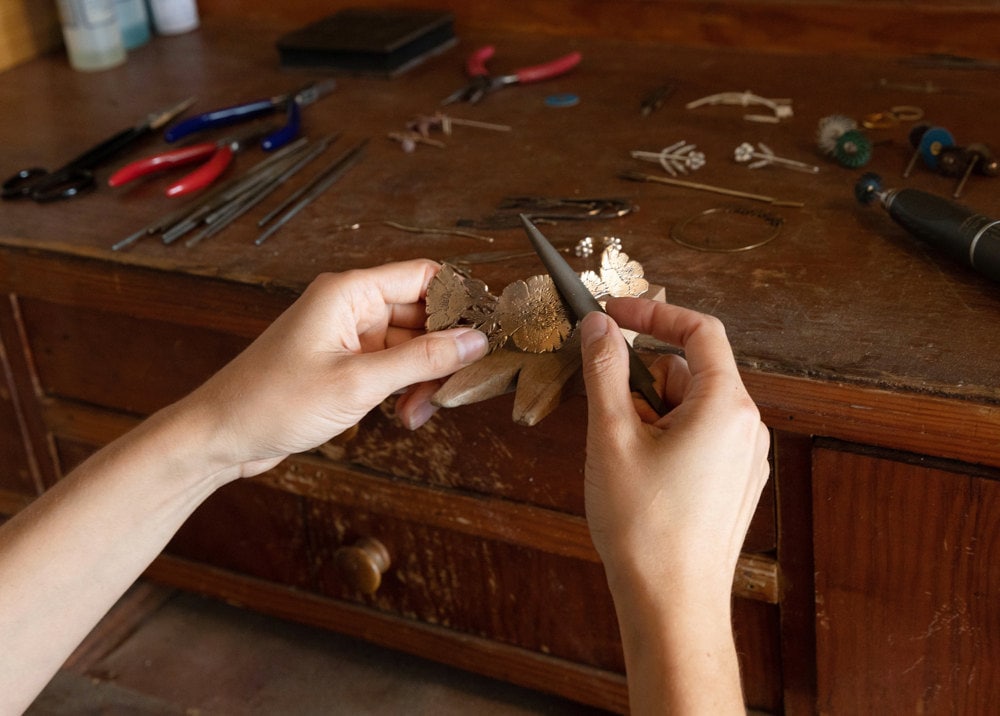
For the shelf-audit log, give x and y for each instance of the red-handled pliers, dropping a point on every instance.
(219, 155)
(482, 83)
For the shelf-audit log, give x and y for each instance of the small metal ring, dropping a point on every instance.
(907, 113)
(880, 120)
(775, 222)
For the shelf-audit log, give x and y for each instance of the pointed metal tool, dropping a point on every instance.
(581, 302)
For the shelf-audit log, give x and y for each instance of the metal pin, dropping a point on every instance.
(765, 156)
(447, 121)
(979, 158)
(638, 176)
(410, 140)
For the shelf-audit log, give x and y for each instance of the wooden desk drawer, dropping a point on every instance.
(119, 362)
(479, 448)
(509, 573)
(137, 366)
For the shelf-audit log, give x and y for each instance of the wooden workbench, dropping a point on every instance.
(869, 580)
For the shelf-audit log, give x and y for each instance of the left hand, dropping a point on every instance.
(347, 343)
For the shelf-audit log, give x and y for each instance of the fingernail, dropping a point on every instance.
(420, 415)
(594, 326)
(472, 345)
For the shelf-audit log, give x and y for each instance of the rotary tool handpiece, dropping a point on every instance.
(971, 238)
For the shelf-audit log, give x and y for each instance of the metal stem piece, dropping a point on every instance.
(765, 156)
(638, 176)
(676, 159)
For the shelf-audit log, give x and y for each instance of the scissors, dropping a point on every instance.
(218, 156)
(227, 116)
(581, 302)
(482, 83)
(78, 175)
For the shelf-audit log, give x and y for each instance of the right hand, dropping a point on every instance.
(670, 495)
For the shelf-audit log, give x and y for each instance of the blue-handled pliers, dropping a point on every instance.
(291, 102)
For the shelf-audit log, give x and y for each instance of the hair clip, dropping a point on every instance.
(781, 108)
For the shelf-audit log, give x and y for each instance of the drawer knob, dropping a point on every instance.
(362, 564)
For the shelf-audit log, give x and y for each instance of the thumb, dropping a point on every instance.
(605, 369)
(427, 357)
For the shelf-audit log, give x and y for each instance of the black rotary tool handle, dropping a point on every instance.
(968, 237)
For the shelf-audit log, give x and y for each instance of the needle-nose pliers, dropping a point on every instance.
(482, 83)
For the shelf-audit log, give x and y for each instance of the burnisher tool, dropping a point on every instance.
(581, 302)
(969, 237)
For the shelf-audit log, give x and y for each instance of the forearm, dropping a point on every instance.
(69, 556)
(679, 652)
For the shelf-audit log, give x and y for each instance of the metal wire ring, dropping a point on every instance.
(907, 113)
(880, 120)
(678, 231)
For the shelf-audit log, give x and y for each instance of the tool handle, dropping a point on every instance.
(219, 118)
(581, 302)
(475, 66)
(286, 133)
(544, 71)
(160, 162)
(203, 175)
(63, 184)
(968, 237)
(96, 156)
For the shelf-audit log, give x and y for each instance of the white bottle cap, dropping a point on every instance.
(173, 17)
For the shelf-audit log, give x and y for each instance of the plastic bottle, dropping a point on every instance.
(90, 30)
(133, 20)
(173, 17)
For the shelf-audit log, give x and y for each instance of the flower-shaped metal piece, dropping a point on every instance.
(746, 152)
(529, 313)
(678, 158)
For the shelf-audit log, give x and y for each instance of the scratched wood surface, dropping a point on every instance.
(874, 27)
(908, 622)
(843, 325)
(842, 293)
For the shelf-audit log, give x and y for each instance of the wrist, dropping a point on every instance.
(190, 444)
(677, 637)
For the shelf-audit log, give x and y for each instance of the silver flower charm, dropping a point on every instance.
(746, 152)
(678, 158)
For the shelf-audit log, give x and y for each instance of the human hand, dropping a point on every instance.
(347, 343)
(673, 495)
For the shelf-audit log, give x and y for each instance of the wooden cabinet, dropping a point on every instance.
(907, 584)
(868, 583)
